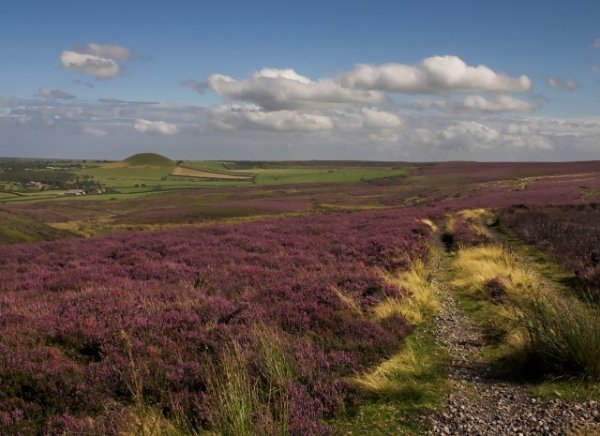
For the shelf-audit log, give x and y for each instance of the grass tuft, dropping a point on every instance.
(563, 335)
(422, 301)
(234, 394)
(413, 374)
(247, 405)
(474, 269)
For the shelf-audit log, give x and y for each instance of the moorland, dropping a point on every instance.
(151, 296)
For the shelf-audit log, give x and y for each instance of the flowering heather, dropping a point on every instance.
(90, 328)
(491, 171)
(571, 234)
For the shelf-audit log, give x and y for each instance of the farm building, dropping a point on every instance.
(75, 192)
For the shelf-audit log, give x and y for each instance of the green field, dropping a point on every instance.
(148, 173)
(326, 172)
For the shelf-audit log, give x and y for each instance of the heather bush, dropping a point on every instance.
(570, 234)
(466, 228)
(103, 333)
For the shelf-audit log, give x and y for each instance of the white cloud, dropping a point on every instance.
(274, 89)
(100, 68)
(436, 74)
(379, 119)
(562, 84)
(477, 103)
(502, 103)
(100, 61)
(470, 134)
(58, 94)
(279, 89)
(237, 117)
(596, 43)
(161, 127)
(250, 132)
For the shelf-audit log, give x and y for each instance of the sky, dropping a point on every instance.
(269, 80)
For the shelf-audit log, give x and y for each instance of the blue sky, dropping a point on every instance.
(51, 105)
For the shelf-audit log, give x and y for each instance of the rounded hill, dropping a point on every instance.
(148, 160)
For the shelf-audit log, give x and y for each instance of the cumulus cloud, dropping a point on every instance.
(57, 94)
(468, 134)
(562, 84)
(274, 89)
(502, 103)
(96, 60)
(160, 127)
(436, 74)
(238, 117)
(379, 119)
(460, 127)
(477, 103)
(596, 43)
(492, 137)
(284, 89)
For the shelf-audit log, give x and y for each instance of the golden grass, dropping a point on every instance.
(422, 300)
(474, 214)
(476, 219)
(415, 374)
(405, 365)
(450, 223)
(430, 224)
(474, 266)
(188, 172)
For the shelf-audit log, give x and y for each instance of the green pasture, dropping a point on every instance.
(128, 181)
(272, 175)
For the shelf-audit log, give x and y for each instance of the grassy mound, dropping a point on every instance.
(148, 160)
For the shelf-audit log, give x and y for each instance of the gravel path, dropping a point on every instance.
(482, 405)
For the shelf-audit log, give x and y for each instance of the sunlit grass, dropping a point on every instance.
(422, 300)
(413, 374)
(429, 223)
(473, 267)
(543, 331)
(413, 381)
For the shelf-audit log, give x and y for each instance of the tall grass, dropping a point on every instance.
(248, 404)
(276, 372)
(233, 394)
(562, 335)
